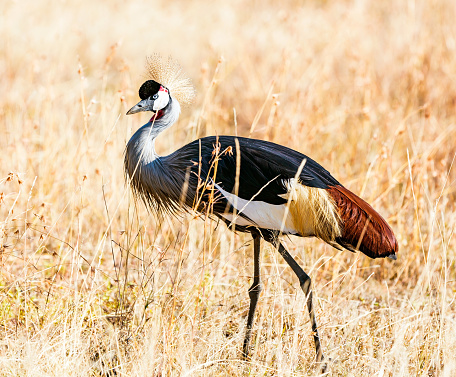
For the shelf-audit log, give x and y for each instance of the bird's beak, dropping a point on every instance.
(144, 105)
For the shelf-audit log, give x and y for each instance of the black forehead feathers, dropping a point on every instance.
(149, 88)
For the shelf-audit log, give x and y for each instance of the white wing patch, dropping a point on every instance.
(239, 220)
(262, 214)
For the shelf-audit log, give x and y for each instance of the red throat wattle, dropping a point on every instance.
(156, 116)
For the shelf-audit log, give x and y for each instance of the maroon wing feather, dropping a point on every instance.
(363, 228)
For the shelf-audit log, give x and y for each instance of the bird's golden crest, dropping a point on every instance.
(168, 72)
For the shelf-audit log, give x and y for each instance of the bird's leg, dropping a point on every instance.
(304, 281)
(254, 292)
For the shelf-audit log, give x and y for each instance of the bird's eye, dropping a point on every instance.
(155, 96)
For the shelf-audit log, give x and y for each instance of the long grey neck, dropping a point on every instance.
(141, 147)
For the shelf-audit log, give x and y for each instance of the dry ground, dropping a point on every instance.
(91, 284)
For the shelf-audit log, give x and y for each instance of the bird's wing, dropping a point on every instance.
(254, 178)
(264, 168)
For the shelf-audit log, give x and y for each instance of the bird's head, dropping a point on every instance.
(165, 76)
(154, 97)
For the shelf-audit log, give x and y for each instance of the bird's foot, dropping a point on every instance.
(324, 364)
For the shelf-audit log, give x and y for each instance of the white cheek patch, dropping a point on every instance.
(162, 100)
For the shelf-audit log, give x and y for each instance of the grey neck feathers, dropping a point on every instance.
(151, 179)
(141, 147)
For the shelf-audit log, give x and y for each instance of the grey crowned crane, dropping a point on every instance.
(252, 185)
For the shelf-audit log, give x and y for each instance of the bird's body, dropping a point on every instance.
(253, 186)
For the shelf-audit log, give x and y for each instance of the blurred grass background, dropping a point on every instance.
(92, 284)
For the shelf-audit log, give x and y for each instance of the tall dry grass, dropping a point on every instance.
(91, 284)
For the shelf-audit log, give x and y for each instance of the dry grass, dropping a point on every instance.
(91, 284)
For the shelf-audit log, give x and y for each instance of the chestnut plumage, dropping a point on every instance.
(363, 228)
